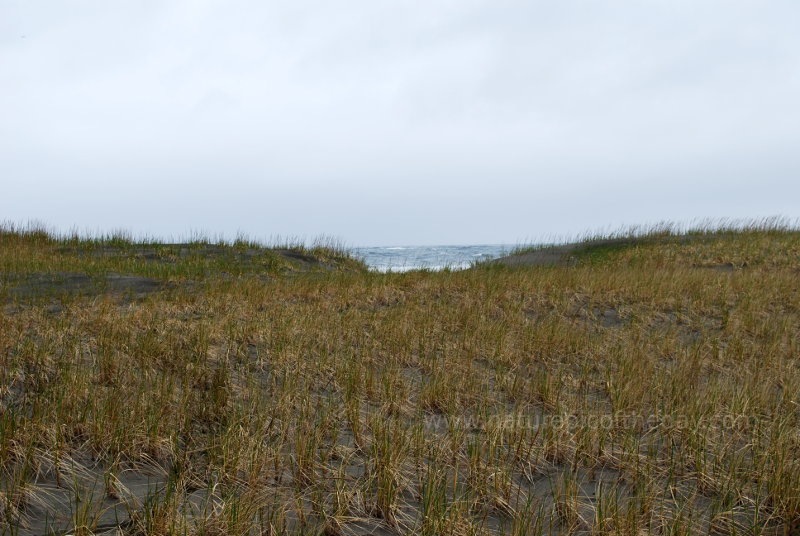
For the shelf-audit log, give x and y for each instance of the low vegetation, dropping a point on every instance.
(647, 387)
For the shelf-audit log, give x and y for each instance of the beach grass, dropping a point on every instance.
(651, 386)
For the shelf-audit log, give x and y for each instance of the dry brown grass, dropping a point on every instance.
(638, 392)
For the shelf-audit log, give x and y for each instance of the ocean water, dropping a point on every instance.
(405, 258)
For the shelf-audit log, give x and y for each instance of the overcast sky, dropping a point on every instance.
(397, 122)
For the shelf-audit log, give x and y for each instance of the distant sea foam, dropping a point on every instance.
(405, 258)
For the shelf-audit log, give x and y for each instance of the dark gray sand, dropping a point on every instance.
(39, 284)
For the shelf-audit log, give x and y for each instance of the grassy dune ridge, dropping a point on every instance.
(649, 387)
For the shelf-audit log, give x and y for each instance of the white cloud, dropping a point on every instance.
(389, 122)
